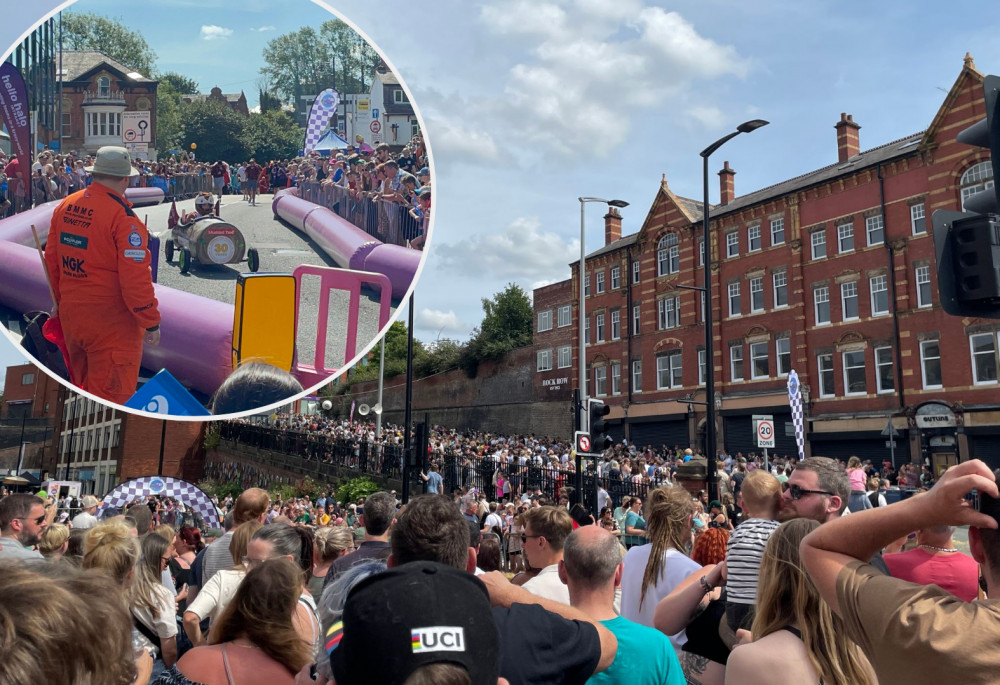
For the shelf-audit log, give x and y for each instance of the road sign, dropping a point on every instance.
(890, 431)
(890, 443)
(375, 126)
(135, 127)
(764, 430)
(582, 441)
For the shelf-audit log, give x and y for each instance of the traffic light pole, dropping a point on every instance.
(578, 402)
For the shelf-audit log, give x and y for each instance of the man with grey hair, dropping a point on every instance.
(592, 568)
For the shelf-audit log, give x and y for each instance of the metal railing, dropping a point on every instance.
(386, 221)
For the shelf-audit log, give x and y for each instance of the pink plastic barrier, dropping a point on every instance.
(348, 245)
(196, 334)
(17, 228)
(336, 279)
(144, 196)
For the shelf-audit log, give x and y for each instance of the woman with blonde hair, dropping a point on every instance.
(55, 540)
(254, 640)
(329, 544)
(797, 639)
(654, 569)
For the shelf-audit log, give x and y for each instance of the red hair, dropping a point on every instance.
(710, 547)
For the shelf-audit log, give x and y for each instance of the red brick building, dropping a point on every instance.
(29, 392)
(831, 274)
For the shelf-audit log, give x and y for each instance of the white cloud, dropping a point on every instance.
(459, 141)
(211, 32)
(521, 251)
(679, 43)
(436, 320)
(262, 29)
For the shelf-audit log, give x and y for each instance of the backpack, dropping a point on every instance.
(38, 346)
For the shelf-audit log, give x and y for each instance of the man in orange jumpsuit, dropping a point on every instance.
(97, 259)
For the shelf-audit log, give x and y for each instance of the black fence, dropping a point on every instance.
(387, 221)
(307, 453)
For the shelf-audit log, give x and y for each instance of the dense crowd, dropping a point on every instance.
(785, 589)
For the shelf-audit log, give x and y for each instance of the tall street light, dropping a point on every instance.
(710, 444)
(581, 317)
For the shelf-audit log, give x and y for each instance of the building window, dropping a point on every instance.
(635, 271)
(825, 364)
(756, 294)
(104, 87)
(668, 371)
(780, 280)
(669, 312)
(616, 278)
(616, 379)
(600, 281)
(67, 123)
(777, 231)
(586, 286)
(845, 238)
(783, 349)
(104, 124)
(984, 358)
(918, 223)
(600, 328)
(565, 315)
(753, 238)
(736, 362)
(600, 381)
(930, 363)
(923, 274)
(875, 228)
(27, 378)
(702, 369)
(544, 360)
(635, 319)
(854, 373)
(732, 244)
(702, 293)
(586, 330)
(399, 97)
(976, 179)
(734, 299)
(759, 367)
(701, 253)
(821, 302)
(849, 300)
(636, 375)
(565, 356)
(616, 324)
(880, 295)
(818, 239)
(884, 378)
(545, 320)
(668, 256)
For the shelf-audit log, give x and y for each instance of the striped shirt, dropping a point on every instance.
(743, 554)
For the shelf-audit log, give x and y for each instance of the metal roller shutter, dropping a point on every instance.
(659, 433)
(740, 436)
(872, 447)
(987, 448)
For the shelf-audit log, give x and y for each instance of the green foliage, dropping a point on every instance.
(507, 324)
(169, 123)
(271, 135)
(216, 130)
(355, 489)
(88, 31)
(268, 101)
(444, 355)
(213, 436)
(180, 83)
(210, 487)
(307, 487)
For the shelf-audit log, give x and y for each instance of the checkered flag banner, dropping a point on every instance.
(795, 401)
(191, 495)
(324, 107)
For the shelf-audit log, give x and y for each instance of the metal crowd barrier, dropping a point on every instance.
(386, 221)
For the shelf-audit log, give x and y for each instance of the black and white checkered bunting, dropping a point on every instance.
(190, 494)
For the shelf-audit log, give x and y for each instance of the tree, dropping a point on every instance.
(269, 102)
(89, 31)
(216, 129)
(297, 64)
(169, 124)
(180, 83)
(507, 324)
(271, 135)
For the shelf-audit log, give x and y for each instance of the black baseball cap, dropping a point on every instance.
(412, 615)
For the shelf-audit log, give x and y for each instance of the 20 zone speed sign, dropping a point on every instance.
(765, 434)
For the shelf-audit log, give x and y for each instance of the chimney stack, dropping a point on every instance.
(612, 225)
(848, 142)
(727, 184)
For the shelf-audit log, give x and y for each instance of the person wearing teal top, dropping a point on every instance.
(635, 525)
(592, 569)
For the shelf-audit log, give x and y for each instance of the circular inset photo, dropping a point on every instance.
(205, 214)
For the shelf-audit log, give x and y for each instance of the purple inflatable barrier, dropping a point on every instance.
(398, 263)
(196, 333)
(144, 196)
(17, 228)
(348, 245)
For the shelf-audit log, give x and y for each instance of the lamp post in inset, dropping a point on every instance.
(710, 445)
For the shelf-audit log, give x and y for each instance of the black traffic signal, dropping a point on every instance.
(967, 244)
(418, 450)
(597, 410)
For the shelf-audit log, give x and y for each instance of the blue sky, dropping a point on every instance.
(531, 104)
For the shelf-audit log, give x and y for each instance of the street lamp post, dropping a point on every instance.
(581, 410)
(710, 444)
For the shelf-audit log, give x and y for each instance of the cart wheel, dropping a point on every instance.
(184, 260)
(253, 260)
(168, 251)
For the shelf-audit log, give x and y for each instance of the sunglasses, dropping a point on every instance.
(524, 537)
(797, 493)
(38, 521)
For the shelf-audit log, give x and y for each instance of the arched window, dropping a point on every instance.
(975, 179)
(668, 258)
(104, 87)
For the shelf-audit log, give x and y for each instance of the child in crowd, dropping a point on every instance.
(859, 496)
(761, 497)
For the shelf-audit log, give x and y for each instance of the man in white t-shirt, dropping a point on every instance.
(86, 518)
(545, 532)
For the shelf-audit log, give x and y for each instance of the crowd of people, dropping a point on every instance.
(790, 589)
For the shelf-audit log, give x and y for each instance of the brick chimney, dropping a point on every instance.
(727, 184)
(848, 142)
(612, 225)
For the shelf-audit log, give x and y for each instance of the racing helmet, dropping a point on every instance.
(204, 200)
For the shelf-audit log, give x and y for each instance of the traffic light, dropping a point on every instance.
(418, 450)
(967, 244)
(597, 410)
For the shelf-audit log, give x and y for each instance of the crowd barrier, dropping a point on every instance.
(388, 221)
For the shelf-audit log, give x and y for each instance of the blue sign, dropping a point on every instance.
(374, 113)
(163, 394)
